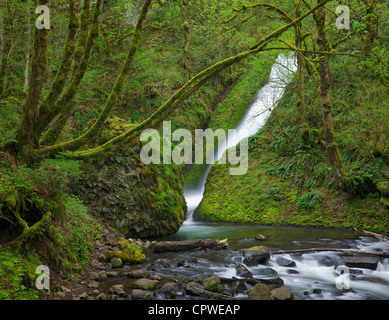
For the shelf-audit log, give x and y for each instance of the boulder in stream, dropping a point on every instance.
(365, 262)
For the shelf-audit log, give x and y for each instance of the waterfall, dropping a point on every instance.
(255, 117)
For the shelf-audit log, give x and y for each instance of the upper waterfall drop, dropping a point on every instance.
(254, 119)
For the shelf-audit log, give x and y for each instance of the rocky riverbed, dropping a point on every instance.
(130, 269)
(179, 275)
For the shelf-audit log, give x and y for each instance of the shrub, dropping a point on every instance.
(308, 201)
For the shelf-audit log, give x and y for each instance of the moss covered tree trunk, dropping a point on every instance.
(332, 147)
(26, 135)
(186, 26)
(301, 106)
(5, 43)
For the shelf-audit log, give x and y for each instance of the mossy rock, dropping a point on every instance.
(211, 283)
(257, 249)
(137, 257)
(145, 284)
(260, 292)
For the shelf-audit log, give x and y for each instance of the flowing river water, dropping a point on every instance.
(309, 275)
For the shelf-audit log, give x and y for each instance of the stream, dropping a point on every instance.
(308, 275)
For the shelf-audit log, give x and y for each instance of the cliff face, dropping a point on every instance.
(137, 200)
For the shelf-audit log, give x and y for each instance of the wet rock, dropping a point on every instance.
(168, 291)
(238, 287)
(138, 274)
(94, 276)
(282, 293)
(145, 284)
(103, 275)
(282, 262)
(117, 289)
(116, 262)
(211, 283)
(194, 288)
(260, 237)
(101, 296)
(93, 284)
(292, 271)
(256, 255)
(139, 294)
(242, 271)
(264, 272)
(84, 296)
(157, 277)
(273, 281)
(94, 293)
(260, 292)
(364, 262)
(112, 274)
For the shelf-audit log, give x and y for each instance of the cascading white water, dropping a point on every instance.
(253, 120)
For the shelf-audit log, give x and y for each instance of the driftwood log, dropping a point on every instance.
(184, 245)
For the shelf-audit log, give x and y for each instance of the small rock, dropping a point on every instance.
(145, 284)
(138, 294)
(282, 262)
(83, 296)
(265, 272)
(260, 237)
(94, 293)
(260, 292)
(116, 289)
(157, 277)
(116, 262)
(65, 290)
(93, 284)
(138, 274)
(211, 283)
(242, 271)
(273, 281)
(238, 287)
(194, 288)
(102, 275)
(94, 276)
(101, 296)
(362, 262)
(112, 274)
(282, 293)
(168, 291)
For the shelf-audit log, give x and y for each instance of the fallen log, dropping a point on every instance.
(184, 245)
(351, 251)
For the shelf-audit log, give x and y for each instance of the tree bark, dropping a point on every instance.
(185, 245)
(186, 27)
(5, 43)
(332, 147)
(26, 132)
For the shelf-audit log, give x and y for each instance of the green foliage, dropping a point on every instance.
(81, 230)
(309, 200)
(17, 275)
(274, 193)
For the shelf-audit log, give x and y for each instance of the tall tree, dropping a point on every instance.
(333, 151)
